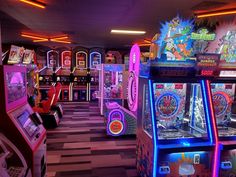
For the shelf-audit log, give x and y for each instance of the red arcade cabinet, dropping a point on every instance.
(18, 121)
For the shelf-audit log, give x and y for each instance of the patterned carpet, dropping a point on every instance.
(79, 147)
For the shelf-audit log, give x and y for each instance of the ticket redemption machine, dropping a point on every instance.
(121, 120)
(47, 75)
(96, 56)
(223, 89)
(80, 84)
(12, 162)
(18, 121)
(175, 134)
(64, 75)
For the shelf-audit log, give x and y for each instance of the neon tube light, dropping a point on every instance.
(127, 32)
(211, 14)
(59, 38)
(154, 128)
(33, 37)
(34, 3)
(65, 42)
(40, 40)
(204, 91)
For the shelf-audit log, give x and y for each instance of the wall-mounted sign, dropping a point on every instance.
(52, 59)
(66, 59)
(81, 59)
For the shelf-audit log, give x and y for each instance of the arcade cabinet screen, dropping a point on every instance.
(27, 124)
(16, 86)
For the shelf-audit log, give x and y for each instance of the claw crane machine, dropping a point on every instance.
(175, 134)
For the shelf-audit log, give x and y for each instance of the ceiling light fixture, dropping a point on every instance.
(33, 36)
(60, 41)
(216, 13)
(34, 3)
(60, 38)
(36, 38)
(128, 32)
(40, 40)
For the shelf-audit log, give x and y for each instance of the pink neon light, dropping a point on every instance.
(216, 152)
(134, 59)
(134, 64)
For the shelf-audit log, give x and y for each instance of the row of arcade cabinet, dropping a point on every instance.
(21, 127)
(76, 70)
(187, 107)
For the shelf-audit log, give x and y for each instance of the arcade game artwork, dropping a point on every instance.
(175, 39)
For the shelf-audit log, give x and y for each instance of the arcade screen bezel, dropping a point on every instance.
(14, 104)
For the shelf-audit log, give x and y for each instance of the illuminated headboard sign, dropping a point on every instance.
(95, 59)
(81, 59)
(52, 59)
(66, 59)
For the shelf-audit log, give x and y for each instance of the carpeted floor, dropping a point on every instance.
(79, 147)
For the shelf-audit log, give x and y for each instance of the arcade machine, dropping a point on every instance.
(175, 136)
(12, 162)
(122, 121)
(111, 85)
(96, 56)
(224, 99)
(47, 73)
(63, 76)
(80, 84)
(19, 123)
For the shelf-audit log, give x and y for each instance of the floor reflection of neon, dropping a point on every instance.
(217, 150)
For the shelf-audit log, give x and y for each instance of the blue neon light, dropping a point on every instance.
(205, 104)
(154, 128)
(185, 143)
(193, 106)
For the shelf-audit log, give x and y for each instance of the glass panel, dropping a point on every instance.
(146, 113)
(113, 84)
(224, 102)
(179, 110)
